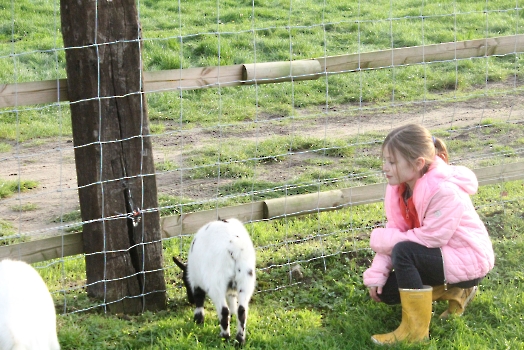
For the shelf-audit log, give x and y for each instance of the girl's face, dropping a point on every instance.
(398, 170)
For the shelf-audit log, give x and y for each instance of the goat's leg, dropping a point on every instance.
(243, 301)
(223, 315)
(200, 297)
(219, 299)
(245, 290)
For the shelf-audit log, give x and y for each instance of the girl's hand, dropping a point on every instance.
(374, 293)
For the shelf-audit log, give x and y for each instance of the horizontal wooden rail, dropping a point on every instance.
(44, 249)
(51, 91)
(71, 244)
(189, 223)
(502, 45)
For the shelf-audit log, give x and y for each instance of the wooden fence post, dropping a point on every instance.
(113, 154)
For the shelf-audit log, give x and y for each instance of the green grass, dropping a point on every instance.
(73, 219)
(235, 157)
(9, 235)
(24, 207)
(10, 187)
(6, 229)
(5, 147)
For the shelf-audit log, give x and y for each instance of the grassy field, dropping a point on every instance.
(327, 307)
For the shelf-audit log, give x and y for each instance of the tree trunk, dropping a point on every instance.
(113, 154)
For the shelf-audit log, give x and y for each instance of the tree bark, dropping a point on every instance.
(113, 154)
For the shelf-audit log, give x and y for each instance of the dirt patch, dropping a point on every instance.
(52, 163)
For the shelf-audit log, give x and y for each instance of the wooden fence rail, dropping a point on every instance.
(50, 91)
(171, 226)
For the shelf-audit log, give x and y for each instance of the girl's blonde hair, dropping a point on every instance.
(413, 141)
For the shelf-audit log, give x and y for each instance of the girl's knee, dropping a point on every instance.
(401, 248)
(404, 252)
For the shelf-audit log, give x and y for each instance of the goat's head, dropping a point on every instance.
(189, 291)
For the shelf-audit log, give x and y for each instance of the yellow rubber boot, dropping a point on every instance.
(438, 292)
(416, 315)
(458, 299)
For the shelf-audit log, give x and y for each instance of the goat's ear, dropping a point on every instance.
(180, 264)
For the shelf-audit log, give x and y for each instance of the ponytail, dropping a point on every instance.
(441, 149)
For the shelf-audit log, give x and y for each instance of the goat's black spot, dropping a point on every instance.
(224, 220)
(224, 320)
(250, 272)
(241, 315)
(193, 244)
(199, 297)
(238, 270)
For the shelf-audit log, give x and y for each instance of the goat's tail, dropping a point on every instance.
(180, 264)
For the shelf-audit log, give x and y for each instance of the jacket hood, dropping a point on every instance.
(459, 175)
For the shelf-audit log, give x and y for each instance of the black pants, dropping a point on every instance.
(413, 267)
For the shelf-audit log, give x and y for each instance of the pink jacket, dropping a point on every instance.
(448, 221)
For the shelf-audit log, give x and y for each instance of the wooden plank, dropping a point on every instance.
(364, 194)
(303, 204)
(177, 225)
(323, 201)
(44, 249)
(211, 77)
(51, 248)
(429, 53)
(21, 94)
(192, 78)
(276, 72)
(500, 173)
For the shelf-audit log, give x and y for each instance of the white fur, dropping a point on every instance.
(222, 255)
(27, 311)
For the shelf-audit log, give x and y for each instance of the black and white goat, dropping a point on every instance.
(221, 263)
(27, 310)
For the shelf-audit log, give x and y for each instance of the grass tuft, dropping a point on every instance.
(10, 187)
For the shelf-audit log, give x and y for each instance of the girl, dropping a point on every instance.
(434, 245)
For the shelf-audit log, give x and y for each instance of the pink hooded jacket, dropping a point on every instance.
(448, 221)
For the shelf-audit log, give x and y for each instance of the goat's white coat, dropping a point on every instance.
(222, 255)
(27, 310)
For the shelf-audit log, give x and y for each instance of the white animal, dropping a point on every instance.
(221, 263)
(27, 311)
